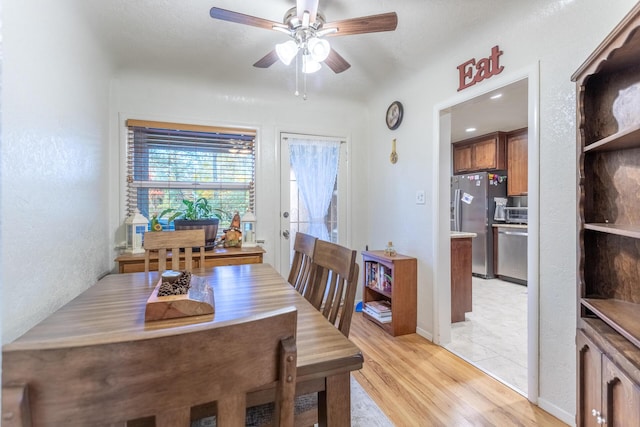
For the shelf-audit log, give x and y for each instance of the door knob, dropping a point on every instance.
(285, 214)
(285, 234)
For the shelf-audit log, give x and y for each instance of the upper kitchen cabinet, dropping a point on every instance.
(608, 139)
(484, 153)
(517, 162)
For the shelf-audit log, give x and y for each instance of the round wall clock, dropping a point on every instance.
(394, 115)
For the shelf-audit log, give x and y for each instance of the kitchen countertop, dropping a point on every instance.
(522, 226)
(462, 235)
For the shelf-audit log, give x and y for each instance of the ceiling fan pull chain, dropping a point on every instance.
(296, 93)
(304, 78)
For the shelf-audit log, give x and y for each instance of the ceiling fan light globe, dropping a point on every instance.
(319, 49)
(309, 66)
(287, 51)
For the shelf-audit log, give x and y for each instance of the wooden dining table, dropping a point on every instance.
(114, 308)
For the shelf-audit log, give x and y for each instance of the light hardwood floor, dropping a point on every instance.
(417, 383)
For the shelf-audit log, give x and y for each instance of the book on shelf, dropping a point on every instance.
(380, 307)
(378, 276)
(384, 278)
(380, 318)
(380, 315)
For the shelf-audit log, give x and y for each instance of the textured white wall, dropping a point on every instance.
(560, 37)
(58, 116)
(54, 164)
(271, 111)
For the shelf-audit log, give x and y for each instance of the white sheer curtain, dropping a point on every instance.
(315, 164)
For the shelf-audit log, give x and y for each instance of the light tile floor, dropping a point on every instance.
(494, 335)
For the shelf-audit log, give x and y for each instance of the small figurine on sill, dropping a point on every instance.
(232, 237)
(155, 223)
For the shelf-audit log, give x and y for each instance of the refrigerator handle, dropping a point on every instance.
(456, 210)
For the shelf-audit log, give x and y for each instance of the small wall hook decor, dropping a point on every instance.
(394, 156)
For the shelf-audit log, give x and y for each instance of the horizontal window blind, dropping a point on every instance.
(169, 162)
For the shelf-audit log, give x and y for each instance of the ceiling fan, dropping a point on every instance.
(306, 28)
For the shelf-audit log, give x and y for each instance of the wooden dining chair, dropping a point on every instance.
(299, 275)
(332, 290)
(164, 376)
(175, 241)
(334, 278)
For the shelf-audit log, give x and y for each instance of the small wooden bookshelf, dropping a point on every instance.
(390, 281)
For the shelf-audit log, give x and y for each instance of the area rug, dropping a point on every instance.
(364, 412)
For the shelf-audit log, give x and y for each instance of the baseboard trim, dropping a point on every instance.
(561, 414)
(424, 334)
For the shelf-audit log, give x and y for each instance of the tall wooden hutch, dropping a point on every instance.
(608, 324)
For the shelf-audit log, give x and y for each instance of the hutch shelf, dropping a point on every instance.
(390, 281)
(608, 324)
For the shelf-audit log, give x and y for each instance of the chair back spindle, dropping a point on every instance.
(334, 278)
(175, 241)
(300, 272)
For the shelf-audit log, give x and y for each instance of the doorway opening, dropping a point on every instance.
(493, 298)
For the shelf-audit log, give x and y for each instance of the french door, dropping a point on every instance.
(295, 214)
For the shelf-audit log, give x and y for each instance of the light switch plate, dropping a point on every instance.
(420, 197)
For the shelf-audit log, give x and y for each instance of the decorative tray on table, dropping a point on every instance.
(179, 294)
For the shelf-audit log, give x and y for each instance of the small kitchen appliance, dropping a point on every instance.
(516, 215)
(501, 203)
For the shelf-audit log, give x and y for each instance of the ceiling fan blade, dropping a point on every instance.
(240, 18)
(310, 6)
(268, 60)
(365, 24)
(336, 62)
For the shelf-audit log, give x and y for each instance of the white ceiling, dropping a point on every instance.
(179, 37)
(504, 113)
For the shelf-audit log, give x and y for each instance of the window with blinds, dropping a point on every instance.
(169, 162)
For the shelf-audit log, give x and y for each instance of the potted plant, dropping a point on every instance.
(197, 214)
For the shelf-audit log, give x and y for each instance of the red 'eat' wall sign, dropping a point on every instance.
(472, 72)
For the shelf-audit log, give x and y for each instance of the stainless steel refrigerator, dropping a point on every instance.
(472, 209)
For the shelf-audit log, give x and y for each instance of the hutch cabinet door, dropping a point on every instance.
(590, 377)
(622, 397)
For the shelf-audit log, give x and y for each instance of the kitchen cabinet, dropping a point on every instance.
(462, 159)
(607, 394)
(609, 227)
(484, 153)
(517, 162)
(461, 275)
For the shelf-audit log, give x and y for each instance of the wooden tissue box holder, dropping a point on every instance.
(198, 301)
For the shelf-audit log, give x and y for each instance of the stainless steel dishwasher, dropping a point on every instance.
(512, 254)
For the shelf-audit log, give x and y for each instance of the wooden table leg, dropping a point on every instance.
(334, 404)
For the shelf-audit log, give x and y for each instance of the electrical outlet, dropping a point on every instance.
(420, 197)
